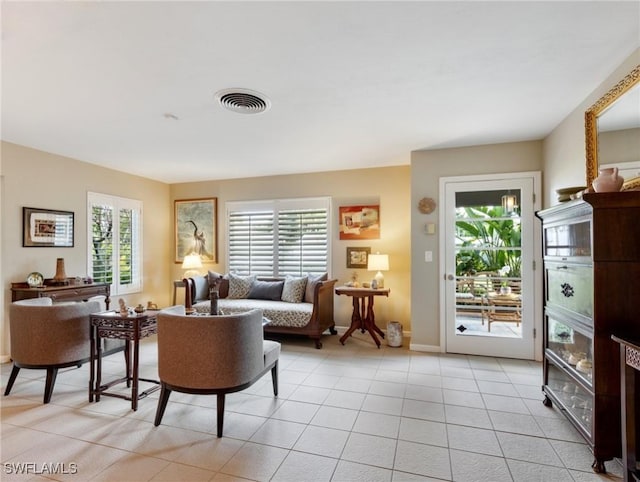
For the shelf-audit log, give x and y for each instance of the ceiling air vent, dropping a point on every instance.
(243, 101)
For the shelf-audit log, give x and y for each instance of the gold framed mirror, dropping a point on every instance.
(622, 97)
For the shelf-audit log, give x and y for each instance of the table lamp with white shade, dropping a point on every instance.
(378, 262)
(191, 263)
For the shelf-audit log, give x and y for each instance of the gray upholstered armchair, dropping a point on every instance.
(48, 336)
(212, 355)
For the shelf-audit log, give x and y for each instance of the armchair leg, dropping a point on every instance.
(221, 398)
(12, 379)
(52, 373)
(274, 379)
(162, 404)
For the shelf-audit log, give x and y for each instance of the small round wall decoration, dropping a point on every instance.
(426, 205)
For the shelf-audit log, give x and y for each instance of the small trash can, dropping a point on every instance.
(394, 334)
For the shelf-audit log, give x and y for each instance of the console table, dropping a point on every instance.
(630, 402)
(363, 317)
(131, 329)
(70, 292)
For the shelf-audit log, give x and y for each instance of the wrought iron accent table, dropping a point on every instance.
(131, 329)
(630, 402)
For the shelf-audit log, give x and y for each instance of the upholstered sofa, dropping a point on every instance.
(293, 305)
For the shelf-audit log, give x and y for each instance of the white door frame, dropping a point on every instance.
(537, 254)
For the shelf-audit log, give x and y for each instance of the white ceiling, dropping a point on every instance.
(353, 84)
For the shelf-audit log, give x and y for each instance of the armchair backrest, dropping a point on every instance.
(43, 333)
(209, 351)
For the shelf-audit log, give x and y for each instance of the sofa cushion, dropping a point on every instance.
(240, 286)
(312, 281)
(266, 290)
(279, 313)
(294, 288)
(223, 283)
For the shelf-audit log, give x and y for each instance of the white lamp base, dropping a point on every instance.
(379, 279)
(191, 273)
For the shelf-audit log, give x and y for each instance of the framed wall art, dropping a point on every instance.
(359, 222)
(358, 257)
(196, 229)
(47, 228)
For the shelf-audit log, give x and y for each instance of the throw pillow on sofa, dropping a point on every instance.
(240, 286)
(312, 281)
(294, 289)
(266, 290)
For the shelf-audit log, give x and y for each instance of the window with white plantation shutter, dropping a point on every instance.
(115, 242)
(279, 237)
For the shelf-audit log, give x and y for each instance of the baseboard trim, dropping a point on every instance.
(425, 348)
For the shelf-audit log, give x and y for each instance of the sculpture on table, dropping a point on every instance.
(123, 307)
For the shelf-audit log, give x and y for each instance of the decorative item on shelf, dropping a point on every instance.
(151, 305)
(192, 264)
(584, 366)
(568, 193)
(574, 358)
(139, 309)
(631, 184)
(509, 203)
(608, 180)
(378, 262)
(426, 205)
(35, 279)
(60, 277)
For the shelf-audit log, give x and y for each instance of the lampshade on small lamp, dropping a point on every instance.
(191, 263)
(509, 203)
(378, 262)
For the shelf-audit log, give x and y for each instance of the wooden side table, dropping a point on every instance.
(630, 402)
(131, 328)
(363, 317)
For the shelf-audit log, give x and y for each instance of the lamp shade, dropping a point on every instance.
(192, 261)
(378, 262)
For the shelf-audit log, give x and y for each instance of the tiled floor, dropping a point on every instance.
(345, 413)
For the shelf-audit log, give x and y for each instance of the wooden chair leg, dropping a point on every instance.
(221, 397)
(12, 379)
(274, 379)
(52, 373)
(162, 404)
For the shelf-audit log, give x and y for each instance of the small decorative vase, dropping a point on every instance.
(608, 180)
(60, 276)
(214, 295)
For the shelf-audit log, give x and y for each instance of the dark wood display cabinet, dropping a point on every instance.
(70, 292)
(591, 249)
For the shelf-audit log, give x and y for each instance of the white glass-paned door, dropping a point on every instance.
(489, 267)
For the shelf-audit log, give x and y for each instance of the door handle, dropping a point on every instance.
(450, 277)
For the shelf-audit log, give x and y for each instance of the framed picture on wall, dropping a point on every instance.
(358, 257)
(359, 222)
(47, 228)
(196, 229)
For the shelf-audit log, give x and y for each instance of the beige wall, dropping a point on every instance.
(38, 179)
(564, 149)
(427, 167)
(388, 187)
